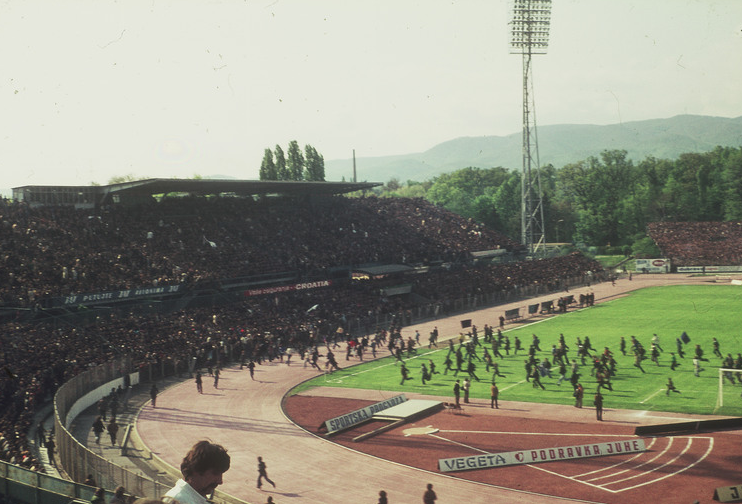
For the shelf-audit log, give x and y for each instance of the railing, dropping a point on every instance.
(32, 487)
(75, 458)
(83, 391)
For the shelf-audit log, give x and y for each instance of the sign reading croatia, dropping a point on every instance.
(489, 460)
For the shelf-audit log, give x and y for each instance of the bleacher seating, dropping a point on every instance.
(699, 243)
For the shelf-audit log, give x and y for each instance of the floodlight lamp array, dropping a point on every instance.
(530, 26)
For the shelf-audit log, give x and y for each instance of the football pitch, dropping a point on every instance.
(703, 312)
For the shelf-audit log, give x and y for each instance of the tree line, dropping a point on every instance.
(604, 200)
(294, 165)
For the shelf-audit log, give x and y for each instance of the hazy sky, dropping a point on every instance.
(95, 89)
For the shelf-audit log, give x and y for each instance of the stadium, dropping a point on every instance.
(110, 290)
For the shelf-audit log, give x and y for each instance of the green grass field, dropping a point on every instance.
(702, 311)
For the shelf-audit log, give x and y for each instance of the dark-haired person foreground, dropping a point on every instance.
(202, 469)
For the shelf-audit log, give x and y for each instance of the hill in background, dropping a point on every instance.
(558, 145)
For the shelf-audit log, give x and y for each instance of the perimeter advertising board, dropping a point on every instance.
(362, 415)
(489, 460)
(709, 269)
(653, 265)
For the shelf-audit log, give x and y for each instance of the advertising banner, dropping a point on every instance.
(287, 288)
(359, 416)
(709, 269)
(653, 265)
(122, 295)
(490, 460)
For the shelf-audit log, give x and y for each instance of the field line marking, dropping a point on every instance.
(558, 434)
(674, 473)
(650, 397)
(661, 453)
(605, 487)
(658, 455)
(513, 385)
(571, 478)
(457, 443)
(689, 443)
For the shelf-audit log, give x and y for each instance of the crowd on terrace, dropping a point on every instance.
(55, 251)
(699, 243)
(466, 282)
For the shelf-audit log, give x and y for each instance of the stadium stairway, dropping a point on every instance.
(45, 416)
(134, 458)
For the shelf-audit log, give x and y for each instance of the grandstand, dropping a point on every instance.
(208, 274)
(699, 243)
(142, 191)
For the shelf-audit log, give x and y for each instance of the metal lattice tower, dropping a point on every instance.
(529, 36)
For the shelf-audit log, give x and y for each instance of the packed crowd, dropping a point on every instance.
(89, 253)
(507, 276)
(699, 243)
(58, 251)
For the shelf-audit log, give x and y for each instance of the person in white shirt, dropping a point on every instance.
(202, 469)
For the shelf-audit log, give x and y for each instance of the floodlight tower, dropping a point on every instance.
(529, 36)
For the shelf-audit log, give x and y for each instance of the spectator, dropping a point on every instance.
(202, 469)
(119, 496)
(98, 496)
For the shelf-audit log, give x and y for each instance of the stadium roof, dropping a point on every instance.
(241, 187)
(88, 195)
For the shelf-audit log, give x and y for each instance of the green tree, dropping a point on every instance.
(549, 179)
(456, 191)
(282, 173)
(651, 202)
(295, 161)
(645, 248)
(412, 190)
(392, 185)
(120, 179)
(484, 211)
(267, 167)
(560, 212)
(507, 203)
(732, 177)
(315, 164)
(694, 189)
(598, 186)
